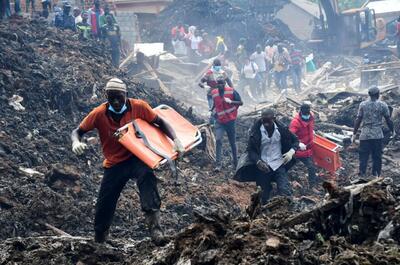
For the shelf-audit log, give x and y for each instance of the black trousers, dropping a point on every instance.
(373, 147)
(114, 180)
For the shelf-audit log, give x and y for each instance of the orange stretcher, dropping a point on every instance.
(326, 154)
(151, 145)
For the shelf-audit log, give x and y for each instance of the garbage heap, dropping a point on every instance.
(355, 225)
(359, 224)
(254, 22)
(49, 81)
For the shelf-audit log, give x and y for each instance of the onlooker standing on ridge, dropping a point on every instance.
(112, 32)
(94, 19)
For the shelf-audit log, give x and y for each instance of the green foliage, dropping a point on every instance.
(347, 4)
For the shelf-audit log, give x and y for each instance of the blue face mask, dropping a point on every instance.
(217, 68)
(305, 117)
(124, 107)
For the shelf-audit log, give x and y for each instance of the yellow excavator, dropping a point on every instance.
(348, 31)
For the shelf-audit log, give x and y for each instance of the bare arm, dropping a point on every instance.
(76, 135)
(165, 127)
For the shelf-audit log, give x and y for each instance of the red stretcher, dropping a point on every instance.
(326, 154)
(151, 145)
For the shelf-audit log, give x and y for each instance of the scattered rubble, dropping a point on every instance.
(43, 182)
(277, 236)
(47, 194)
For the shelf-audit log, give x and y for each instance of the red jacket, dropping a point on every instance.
(225, 112)
(304, 130)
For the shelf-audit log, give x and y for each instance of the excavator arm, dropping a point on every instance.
(331, 10)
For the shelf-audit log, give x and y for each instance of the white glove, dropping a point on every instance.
(302, 147)
(78, 147)
(353, 138)
(178, 147)
(288, 156)
(228, 100)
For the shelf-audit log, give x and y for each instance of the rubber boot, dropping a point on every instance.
(100, 237)
(156, 232)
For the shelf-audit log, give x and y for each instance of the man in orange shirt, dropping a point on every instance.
(120, 165)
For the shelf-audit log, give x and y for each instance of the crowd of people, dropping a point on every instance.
(257, 69)
(195, 43)
(93, 23)
(275, 62)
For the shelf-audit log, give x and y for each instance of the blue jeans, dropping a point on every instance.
(210, 102)
(296, 76)
(280, 80)
(264, 181)
(5, 9)
(31, 3)
(220, 130)
(17, 7)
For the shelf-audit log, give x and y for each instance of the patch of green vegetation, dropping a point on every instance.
(346, 4)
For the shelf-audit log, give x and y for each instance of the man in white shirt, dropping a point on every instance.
(77, 15)
(259, 57)
(248, 75)
(269, 155)
(194, 44)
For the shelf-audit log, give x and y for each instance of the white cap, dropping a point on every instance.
(116, 84)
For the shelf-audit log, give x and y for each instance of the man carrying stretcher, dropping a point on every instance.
(120, 165)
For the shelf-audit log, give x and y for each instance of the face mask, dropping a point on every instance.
(124, 107)
(217, 68)
(305, 117)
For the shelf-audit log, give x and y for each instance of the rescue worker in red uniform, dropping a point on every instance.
(303, 127)
(210, 78)
(226, 102)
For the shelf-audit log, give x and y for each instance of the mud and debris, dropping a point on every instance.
(49, 81)
(333, 233)
(60, 80)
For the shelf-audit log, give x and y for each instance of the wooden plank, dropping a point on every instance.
(127, 59)
(57, 231)
(163, 87)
